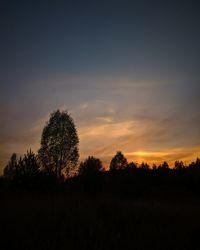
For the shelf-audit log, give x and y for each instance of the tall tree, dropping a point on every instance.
(118, 162)
(59, 144)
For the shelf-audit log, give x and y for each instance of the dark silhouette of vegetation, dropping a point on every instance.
(132, 208)
(23, 172)
(59, 144)
(164, 165)
(132, 165)
(59, 155)
(89, 172)
(10, 171)
(144, 166)
(129, 206)
(178, 165)
(118, 162)
(90, 167)
(26, 166)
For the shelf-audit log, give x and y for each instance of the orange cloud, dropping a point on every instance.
(140, 139)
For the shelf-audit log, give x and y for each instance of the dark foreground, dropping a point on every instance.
(61, 221)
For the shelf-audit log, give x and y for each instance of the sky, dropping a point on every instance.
(127, 71)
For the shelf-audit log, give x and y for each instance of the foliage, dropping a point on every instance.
(90, 166)
(118, 162)
(59, 154)
(132, 165)
(144, 165)
(164, 166)
(59, 144)
(29, 164)
(22, 172)
(178, 165)
(10, 170)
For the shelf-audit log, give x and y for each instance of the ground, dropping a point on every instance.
(78, 221)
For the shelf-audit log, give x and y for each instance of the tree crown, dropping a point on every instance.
(59, 144)
(118, 162)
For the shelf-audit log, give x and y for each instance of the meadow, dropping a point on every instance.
(62, 220)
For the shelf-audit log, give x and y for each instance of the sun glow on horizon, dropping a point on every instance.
(103, 136)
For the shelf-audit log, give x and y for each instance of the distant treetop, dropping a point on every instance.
(118, 162)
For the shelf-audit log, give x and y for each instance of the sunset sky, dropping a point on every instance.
(127, 71)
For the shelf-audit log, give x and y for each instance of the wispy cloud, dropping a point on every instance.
(146, 120)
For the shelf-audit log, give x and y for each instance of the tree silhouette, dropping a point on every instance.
(198, 162)
(59, 144)
(90, 166)
(11, 168)
(22, 172)
(195, 165)
(144, 166)
(178, 165)
(118, 162)
(132, 165)
(163, 166)
(89, 171)
(154, 166)
(29, 165)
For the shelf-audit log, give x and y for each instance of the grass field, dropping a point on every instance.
(63, 221)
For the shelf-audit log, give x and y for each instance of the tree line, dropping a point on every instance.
(57, 162)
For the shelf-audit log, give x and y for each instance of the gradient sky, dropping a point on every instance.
(127, 71)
